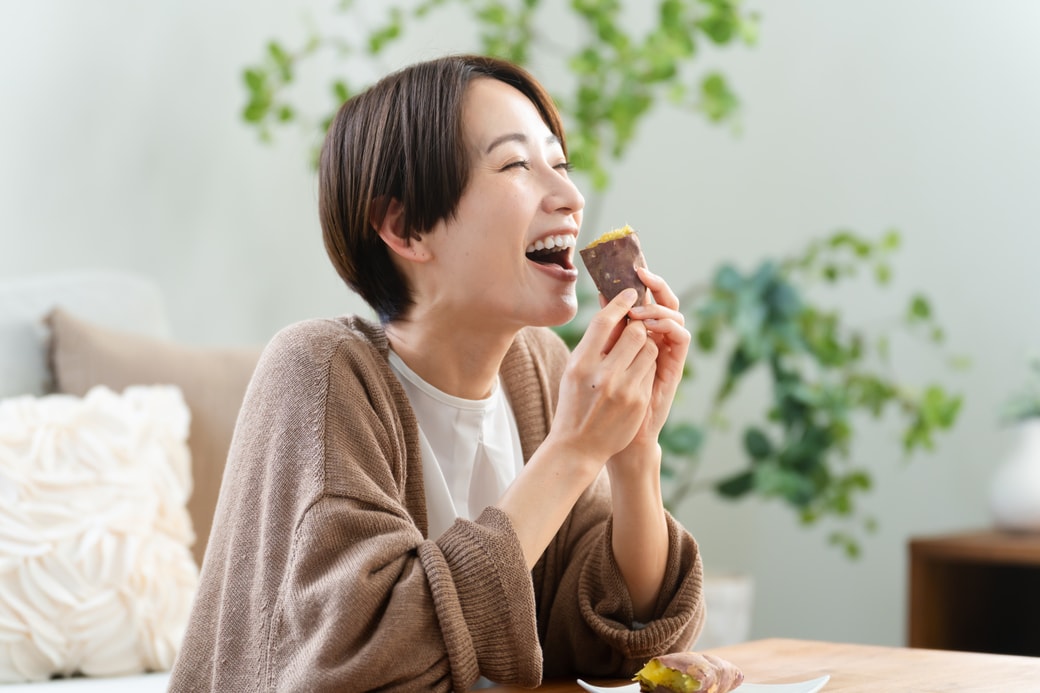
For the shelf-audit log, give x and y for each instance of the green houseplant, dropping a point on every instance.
(824, 374)
(1024, 405)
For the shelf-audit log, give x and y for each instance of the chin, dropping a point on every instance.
(564, 311)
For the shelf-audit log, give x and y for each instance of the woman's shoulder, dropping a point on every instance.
(307, 348)
(321, 331)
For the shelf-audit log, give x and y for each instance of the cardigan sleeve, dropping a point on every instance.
(379, 608)
(585, 613)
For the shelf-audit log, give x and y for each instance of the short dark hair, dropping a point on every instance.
(402, 139)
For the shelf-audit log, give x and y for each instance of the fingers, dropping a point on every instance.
(658, 287)
(615, 345)
(670, 329)
(660, 317)
(645, 364)
(630, 369)
(630, 351)
(673, 343)
(605, 327)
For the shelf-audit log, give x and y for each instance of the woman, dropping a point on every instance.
(449, 496)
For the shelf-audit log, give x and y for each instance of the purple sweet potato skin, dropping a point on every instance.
(716, 675)
(612, 265)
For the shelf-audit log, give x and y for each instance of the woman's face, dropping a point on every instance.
(506, 258)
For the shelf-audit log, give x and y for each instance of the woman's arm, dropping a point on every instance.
(640, 538)
(585, 614)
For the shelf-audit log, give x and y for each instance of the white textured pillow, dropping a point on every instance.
(96, 574)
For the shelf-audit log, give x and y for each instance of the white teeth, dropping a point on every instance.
(552, 242)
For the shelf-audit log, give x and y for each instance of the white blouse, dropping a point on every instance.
(470, 448)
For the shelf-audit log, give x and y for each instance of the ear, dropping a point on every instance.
(388, 220)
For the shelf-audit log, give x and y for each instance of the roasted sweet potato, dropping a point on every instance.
(612, 260)
(688, 672)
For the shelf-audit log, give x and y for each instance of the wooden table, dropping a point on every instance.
(864, 668)
(975, 591)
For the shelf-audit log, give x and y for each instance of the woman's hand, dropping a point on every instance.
(604, 393)
(608, 383)
(665, 327)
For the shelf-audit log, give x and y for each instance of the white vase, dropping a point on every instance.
(728, 599)
(1015, 492)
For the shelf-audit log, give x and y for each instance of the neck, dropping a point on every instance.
(462, 360)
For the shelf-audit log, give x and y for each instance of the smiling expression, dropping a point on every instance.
(506, 257)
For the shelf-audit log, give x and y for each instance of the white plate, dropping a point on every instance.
(800, 687)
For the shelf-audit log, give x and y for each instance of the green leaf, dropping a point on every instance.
(255, 110)
(493, 13)
(255, 80)
(774, 480)
(717, 100)
(757, 444)
(340, 91)
(737, 485)
(739, 363)
(380, 38)
(720, 29)
(281, 60)
(846, 542)
(683, 438)
(705, 338)
(728, 279)
(749, 30)
(920, 309)
(783, 300)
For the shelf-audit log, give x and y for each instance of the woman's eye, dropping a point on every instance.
(526, 165)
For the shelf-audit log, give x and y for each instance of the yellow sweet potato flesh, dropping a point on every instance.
(612, 235)
(658, 677)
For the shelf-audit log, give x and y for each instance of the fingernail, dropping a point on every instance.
(629, 295)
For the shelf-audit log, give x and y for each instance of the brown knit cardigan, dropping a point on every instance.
(319, 575)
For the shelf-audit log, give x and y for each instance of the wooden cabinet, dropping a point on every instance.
(977, 591)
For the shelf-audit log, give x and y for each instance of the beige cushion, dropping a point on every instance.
(213, 381)
(96, 574)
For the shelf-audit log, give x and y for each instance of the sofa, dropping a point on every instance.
(113, 437)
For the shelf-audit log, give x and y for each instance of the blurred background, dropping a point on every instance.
(122, 147)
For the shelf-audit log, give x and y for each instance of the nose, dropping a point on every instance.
(563, 195)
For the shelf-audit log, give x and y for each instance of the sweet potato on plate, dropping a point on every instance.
(688, 672)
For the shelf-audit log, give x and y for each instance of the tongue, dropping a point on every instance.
(548, 257)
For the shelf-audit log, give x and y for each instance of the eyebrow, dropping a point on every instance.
(517, 137)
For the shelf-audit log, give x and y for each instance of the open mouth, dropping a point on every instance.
(554, 250)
